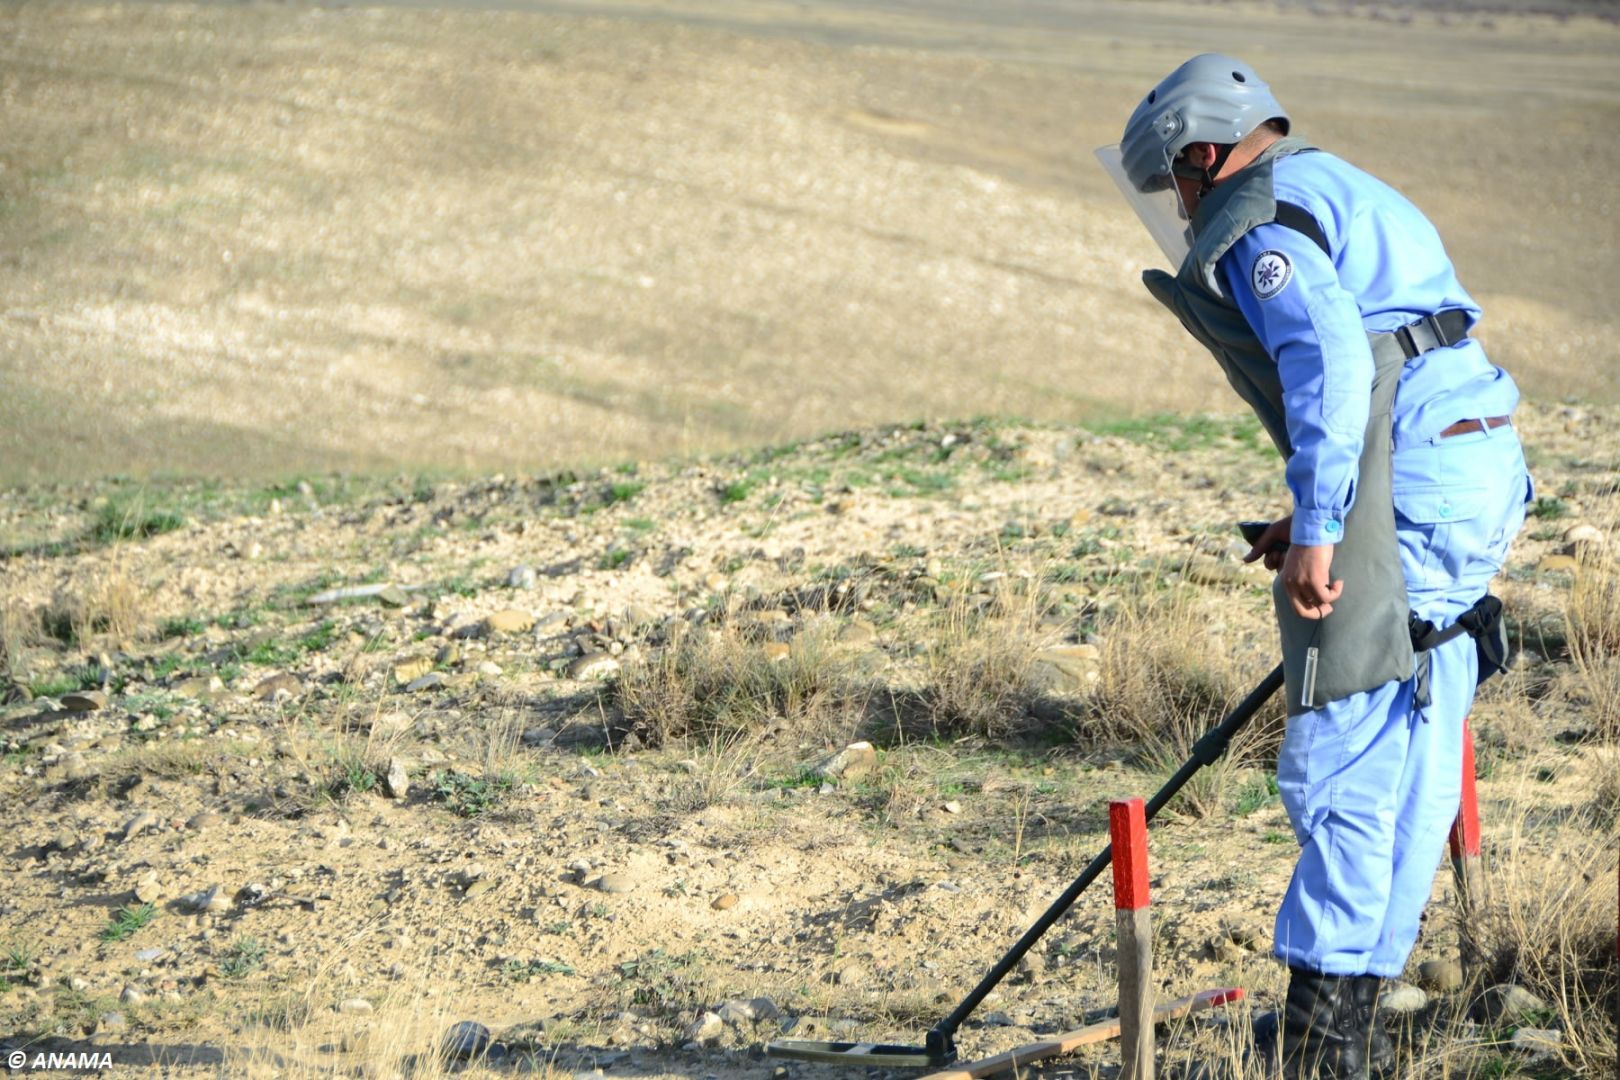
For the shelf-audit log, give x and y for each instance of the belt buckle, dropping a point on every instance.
(1439, 332)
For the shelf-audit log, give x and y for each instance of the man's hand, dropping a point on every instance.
(1305, 574)
(1271, 543)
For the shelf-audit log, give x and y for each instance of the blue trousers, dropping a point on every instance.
(1372, 782)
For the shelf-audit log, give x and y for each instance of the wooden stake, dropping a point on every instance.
(1127, 829)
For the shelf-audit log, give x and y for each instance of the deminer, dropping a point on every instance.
(1330, 304)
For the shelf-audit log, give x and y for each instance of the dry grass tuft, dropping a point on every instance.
(1163, 683)
(17, 632)
(1592, 627)
(720, 685)
(980, 666)
(106, 603)
(1554, 933)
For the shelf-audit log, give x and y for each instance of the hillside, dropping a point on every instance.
(559, 779)
(256, 239)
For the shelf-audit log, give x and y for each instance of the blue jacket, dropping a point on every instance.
(1312, 312)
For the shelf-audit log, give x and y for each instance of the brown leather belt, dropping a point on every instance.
(1463, 427)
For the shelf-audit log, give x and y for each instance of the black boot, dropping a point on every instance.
(1321, 1039)
(1380, 1047)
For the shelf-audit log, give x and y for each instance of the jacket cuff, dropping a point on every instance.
(1313, 528)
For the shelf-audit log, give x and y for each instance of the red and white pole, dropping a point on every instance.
(1127, 829)
(1465, 848)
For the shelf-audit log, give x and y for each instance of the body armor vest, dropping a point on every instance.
(1365, 642)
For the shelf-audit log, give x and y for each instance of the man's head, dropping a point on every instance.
(1185, 132)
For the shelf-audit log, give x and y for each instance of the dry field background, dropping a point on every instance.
(250, 239)
(641, 259)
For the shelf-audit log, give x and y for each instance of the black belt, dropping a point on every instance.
(1429, 332)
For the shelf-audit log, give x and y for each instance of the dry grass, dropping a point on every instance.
(1555, 933)
(979, 666)
(722, 685)
(1592, 626)
(104, 604)
(1163, 683)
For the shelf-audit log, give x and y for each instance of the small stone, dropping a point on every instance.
(489, 667)
(139, 824)
(1539, 1044)
(355, 1006)
(408, 671)
(430, 681)
(1507, 1004)
(1440, 975)
(466, 1039)
(394, 597)
(111, 1022)
(449, 655)
(705, 1029)
(132, 995)
(849, 975)
(615, 883)
(148, 890)
(595, 665)
(952, 807)
(146, 956)
(277, 686)
(198, 686)
(1583, 534)
(857, 632)
(855, 760)
(84, 701)
(521, 577)
(1401, 998)
(724, 902)
(206, 819)
(211, 899)
(396, 781)
(477, 888)
(63, 840)
(508, 621)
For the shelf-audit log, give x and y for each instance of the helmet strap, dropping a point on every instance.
(1206, 183)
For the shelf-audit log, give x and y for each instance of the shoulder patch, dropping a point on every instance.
(1272, 271)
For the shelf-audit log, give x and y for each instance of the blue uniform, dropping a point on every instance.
(1371, 782)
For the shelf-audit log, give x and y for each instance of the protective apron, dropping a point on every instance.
(1365, 642)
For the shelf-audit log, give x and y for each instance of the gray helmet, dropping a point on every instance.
(1211, 98)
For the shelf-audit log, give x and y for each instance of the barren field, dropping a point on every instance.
(561, 767)
(469, 479)
(250, 239)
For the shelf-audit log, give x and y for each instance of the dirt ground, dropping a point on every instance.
(589, 904)
(646, 373)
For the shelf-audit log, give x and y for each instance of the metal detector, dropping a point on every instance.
(940, 1048)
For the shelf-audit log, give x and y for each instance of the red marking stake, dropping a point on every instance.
(1465, 831)
(1127, 829)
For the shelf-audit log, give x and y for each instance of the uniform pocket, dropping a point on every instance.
(1441, 504)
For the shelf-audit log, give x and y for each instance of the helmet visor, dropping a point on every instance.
(1157, 203)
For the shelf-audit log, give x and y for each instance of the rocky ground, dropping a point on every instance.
(296, 777)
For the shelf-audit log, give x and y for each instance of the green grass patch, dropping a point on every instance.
(1257, 794)
(127, 920)
(471, 796)
(1549, 508)
(133, 519)
(524, 970)
(243, 958)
